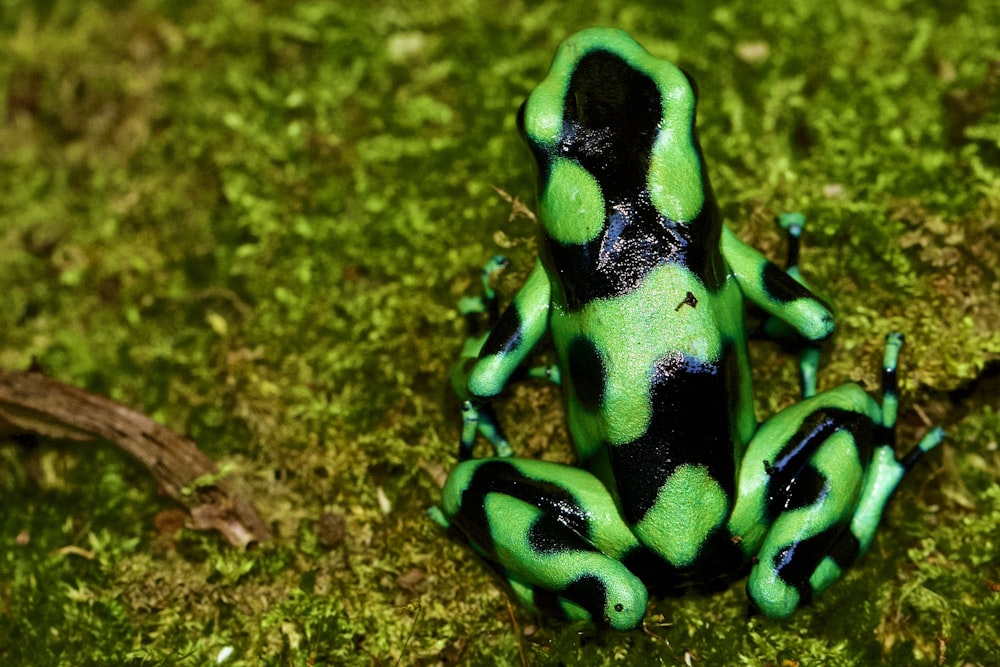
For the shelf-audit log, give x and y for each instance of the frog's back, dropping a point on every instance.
(640, 314)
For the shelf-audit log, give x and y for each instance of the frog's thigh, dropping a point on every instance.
(554, 532)
(799, 486)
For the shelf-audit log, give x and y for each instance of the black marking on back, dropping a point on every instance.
(686, 428)
(651, 569)
(587, 372)
(611, 119)
(719, 563)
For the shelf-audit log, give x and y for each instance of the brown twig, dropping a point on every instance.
(32, 403)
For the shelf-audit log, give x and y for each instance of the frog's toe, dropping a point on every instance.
(626, 606)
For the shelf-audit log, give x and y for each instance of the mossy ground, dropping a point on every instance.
(252, 220)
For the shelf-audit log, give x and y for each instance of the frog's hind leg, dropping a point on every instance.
(881, 480)
(553, 532)
(819, 474)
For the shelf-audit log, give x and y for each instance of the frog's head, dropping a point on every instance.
(608, 122)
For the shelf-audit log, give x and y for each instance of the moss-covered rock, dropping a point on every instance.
(252, 220)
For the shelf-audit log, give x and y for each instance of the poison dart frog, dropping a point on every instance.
(643, 291)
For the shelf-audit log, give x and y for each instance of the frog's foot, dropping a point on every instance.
(881, 481)
(794, 508)
(437, 516)
(471, 307)
(553, 531)
(481, 419)
(550, 373)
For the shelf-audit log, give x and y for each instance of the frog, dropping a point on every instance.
(643, 292)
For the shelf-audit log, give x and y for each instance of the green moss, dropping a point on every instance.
(253, 221)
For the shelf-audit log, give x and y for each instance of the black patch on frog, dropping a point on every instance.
(795, 563)
(807, 488)
(548, 603)
(686, 428)
(506, 335)
(890, 381)
(587, 372)
(719, 563)
(548, 535)
(611, 119)
(590, 592)
(502, 477)
(793, 482)
(626, 251)
(656, 573)
(782, 288)
(846, 549)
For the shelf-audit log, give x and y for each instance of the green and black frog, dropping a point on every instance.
(643, 291)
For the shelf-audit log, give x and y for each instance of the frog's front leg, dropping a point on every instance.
(793, 224)
(813, 486)
(473, 308)
(554, 532)
(782, 294)
(489, 362)
(775, 291)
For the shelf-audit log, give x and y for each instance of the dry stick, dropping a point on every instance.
(33, 403)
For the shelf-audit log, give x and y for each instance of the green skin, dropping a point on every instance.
(643, 291)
